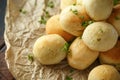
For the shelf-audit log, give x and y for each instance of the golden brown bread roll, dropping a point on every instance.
(72, 18)
(80, 56)
(98, 9)
(114, 18)
(111, 56)
(53, 26)
(65, 3)
(104, 72)
(100, 36)
(48, 49)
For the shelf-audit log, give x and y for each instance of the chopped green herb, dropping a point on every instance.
(117, 18)
(23, 11)
(74, 11)
(66, 47)
(86, 23)
(101, 30)
(71, 70)
(42, 21)
(30, 58)
(98, 39)
(50, 4)
(116, 2)
(68, 78)
(47, 14)
(74, 4)
(80, 37)
(81, 17)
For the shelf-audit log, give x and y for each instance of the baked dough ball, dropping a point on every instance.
(80, 56)
(100, 36)
(53, 26)
(48, 49)
(79, 2)
(98, 9)
(114, 18)
(71, 19)
(111, 56)
(65, 3)
(104, 72)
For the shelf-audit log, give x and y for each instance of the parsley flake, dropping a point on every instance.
(42, 21)
(116, 2)
(81, 17)
(68, 78)
(23, 11)
(86, 23)
(66, 47)
(117, 18)
(74, 4)
(50, 4)
(74, 11)
(30, 58)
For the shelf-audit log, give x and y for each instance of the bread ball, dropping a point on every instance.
(48, 49)
(111, 56)
(100, 36)
(80, 56)
(79, 2)
(114, 18)
(53, 26)
(71, 19)
(104, 72)
(65, 3)
(98, 9)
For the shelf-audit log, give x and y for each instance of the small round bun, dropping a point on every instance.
(71, 19)
(53, 26)
(104, 72)
(80, 56)
(65, 3)
(114, 18)
(48, 49)
(100, 36)
(98, 9)
(111, 56)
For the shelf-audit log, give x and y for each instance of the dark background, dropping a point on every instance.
(4, 72)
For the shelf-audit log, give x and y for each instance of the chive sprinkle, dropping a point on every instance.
(23, 11)
(66, 47)
(74, 11)
(30, 58)
(117, 18)
(86, 23)
(68, 78)
(116, 2)
(74, 4)
(42, 21)
(50, 4)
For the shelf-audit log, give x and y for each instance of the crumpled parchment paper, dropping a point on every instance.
(21, 31)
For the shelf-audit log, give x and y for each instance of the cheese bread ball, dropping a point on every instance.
(48, 49)
(65, 3)
(100, 36)
(72, 18)
(114, 18)
(104, 72)
(80, 56)
(98, 9)
(79, 2)
(53, 26)
(111, 56)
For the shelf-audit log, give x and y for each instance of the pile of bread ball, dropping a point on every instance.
(84, 31)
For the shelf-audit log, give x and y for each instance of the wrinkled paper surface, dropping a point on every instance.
(21, 31)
